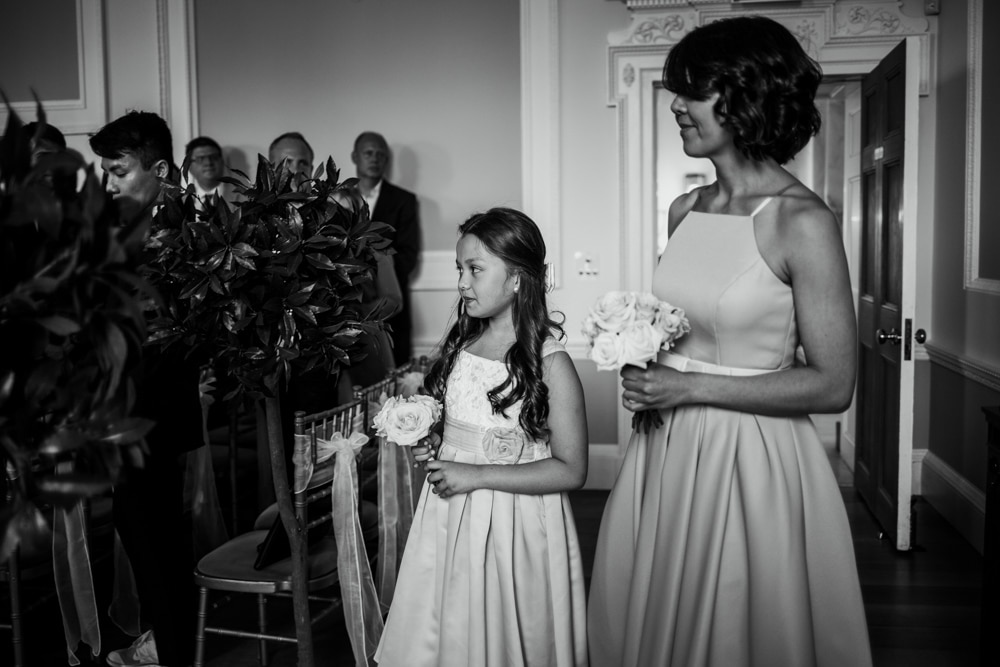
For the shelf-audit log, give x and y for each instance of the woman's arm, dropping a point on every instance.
(809, 251)
(565, 471)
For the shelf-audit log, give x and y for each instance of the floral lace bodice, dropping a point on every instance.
(470, 379)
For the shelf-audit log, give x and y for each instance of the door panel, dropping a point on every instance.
(883, 447)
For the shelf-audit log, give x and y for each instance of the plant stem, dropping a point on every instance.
(295, 528)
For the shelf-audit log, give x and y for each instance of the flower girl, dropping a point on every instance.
(491, 574)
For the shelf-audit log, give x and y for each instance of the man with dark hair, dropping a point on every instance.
(294, 151)
(136, 152)
(203, 161)
(398, 208)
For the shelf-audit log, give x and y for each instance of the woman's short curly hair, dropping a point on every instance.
(765, 80)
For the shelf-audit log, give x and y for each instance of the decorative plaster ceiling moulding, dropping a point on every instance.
(845, 37)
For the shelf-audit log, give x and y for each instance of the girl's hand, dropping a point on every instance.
(426, 449)
(449, 478)
(656, 387)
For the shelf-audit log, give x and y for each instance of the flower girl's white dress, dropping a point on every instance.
(487, 578)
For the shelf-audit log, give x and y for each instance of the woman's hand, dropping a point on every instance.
(449, 478)
(655, 387)
(426, 449)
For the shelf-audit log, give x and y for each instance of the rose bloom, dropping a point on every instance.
(646, 307)
(432, 404)
(406, 421)
(614, 311)
(589, 328)
(673, 323)
(606, 351)
(503, 445)
(639, 344)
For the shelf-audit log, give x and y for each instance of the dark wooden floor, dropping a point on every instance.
(922, 606)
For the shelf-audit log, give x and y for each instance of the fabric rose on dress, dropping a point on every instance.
(640, 342)
(503, 445)
(614, 311)
(405, 421)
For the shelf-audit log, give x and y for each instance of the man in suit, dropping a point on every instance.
(294, 151)
(398, 208)
(203, 158)
(136, 152)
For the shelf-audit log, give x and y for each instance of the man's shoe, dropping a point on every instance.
(142, 653)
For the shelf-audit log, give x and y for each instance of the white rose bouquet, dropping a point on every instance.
(405, 421)
(630, 328)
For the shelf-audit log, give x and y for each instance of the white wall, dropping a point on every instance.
(439, 78)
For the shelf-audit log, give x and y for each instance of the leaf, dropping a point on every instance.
(59, 325)
(62, 441)
(128, 430)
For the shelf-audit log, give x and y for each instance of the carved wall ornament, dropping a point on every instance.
(862, 19)
(807, 35)
(628, 75)
(666, 29)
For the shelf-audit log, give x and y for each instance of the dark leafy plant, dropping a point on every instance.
(71, 326)
(268, 288)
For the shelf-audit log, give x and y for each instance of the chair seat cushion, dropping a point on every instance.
(231, 566)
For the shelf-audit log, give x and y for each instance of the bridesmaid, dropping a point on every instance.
(725, 540)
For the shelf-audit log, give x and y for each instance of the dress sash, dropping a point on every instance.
(468, 437)
(687, 365)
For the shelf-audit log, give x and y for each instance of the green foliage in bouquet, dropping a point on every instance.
(272, 285)
(71, 325)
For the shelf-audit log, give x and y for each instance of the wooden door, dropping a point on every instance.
(884, 426)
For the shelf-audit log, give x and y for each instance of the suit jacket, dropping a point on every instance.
(398, 208)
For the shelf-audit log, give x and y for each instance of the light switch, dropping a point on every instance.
(587, 264)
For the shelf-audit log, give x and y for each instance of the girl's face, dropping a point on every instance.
(702, 130)
(484, 283)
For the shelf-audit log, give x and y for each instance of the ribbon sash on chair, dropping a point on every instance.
(74, 581)
(361, 608)
(398, 492)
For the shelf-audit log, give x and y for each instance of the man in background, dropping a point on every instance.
(203, 158)
(136, 152)
(292, 149)
(398, 208)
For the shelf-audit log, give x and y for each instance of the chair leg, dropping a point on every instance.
(199, 633)
(14, 573)
(262, 626)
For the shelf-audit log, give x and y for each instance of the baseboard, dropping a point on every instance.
(604, 462)
(959, 502)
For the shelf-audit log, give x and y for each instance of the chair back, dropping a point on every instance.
(369, 395)
(310, 464)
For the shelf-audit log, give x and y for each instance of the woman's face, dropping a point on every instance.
(484, 283)
(702, 131)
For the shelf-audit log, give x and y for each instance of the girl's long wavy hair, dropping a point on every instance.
(766, 83)
(513, 237)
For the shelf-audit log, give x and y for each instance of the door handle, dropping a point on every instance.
(892, 337)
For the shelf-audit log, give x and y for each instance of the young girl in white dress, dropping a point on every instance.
(491, 574)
